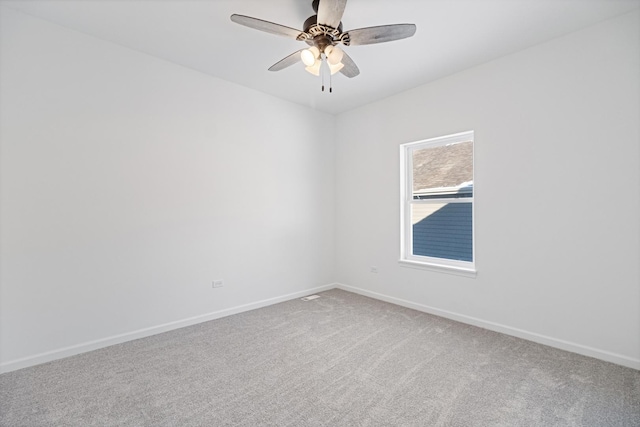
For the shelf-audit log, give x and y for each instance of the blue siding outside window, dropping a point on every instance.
(446, 233)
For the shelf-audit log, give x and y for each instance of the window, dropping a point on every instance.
(437, 203)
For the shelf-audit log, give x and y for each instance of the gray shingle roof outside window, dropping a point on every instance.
(443, 166)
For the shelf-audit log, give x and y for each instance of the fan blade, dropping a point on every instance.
(266, 26)
(350, 68)
(286, 62)
(330, 12)
(381, 34)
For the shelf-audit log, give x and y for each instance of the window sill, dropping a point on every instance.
(458, 271)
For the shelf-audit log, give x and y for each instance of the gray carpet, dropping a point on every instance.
(340, 360)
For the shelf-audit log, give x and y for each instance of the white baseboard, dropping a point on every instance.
(49, 356)
(530, 336)
(141, 333)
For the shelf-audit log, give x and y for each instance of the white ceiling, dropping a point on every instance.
(452, 35)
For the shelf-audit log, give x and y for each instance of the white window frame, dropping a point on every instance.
(465, 268)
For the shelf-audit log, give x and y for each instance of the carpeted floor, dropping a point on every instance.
(340, 360)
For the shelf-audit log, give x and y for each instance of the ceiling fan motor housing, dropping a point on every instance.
(322, 36)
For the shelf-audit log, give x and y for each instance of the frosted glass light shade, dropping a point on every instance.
(335, 55)
(309, 56)
(315, 68)
(335, 68)
(327, 50)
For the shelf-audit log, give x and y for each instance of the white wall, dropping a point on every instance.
(557, 185)
(128, 184)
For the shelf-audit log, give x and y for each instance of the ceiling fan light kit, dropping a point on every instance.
(312, 58)
(323, 32)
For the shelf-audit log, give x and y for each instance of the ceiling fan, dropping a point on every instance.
(323, 32)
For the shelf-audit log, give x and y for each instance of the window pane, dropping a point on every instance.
(443, 230)
(443, 170)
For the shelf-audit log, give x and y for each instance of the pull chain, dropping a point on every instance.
(324, 68)
(322, 72)
(330, 82)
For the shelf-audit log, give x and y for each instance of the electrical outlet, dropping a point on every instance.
(374, 269)
(218, 283)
